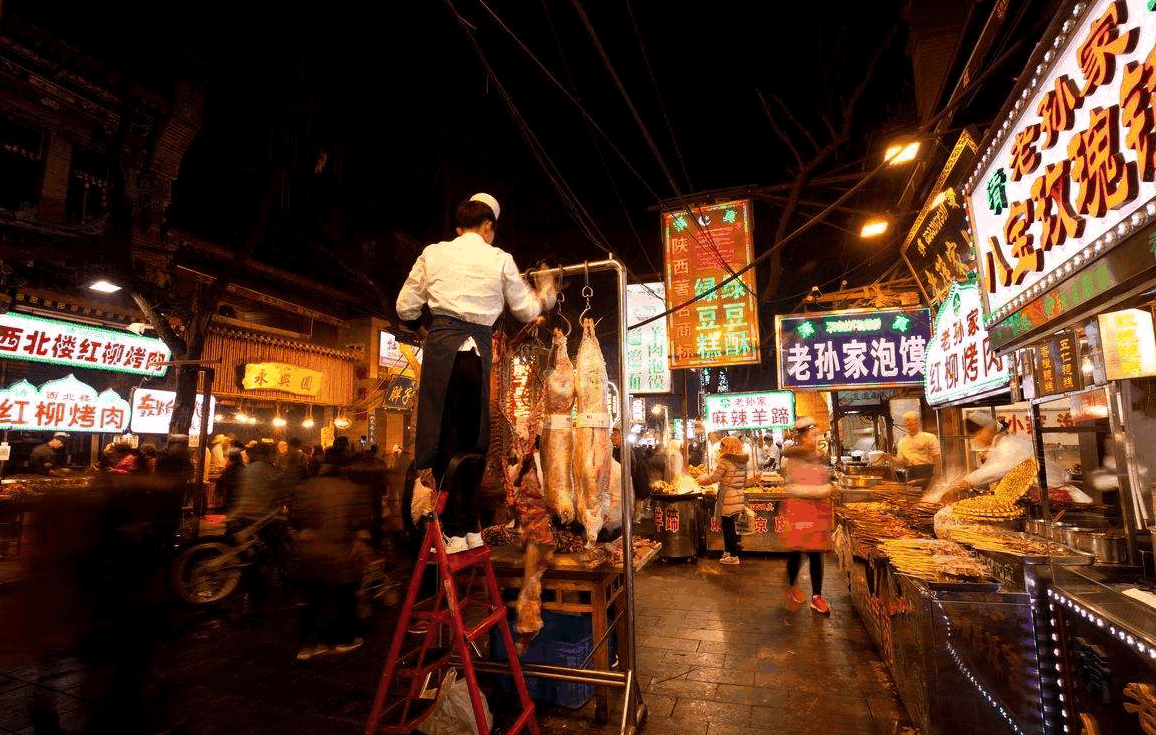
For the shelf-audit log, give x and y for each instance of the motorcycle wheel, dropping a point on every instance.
(203, 575)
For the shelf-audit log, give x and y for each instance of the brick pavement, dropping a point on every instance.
(720, 653)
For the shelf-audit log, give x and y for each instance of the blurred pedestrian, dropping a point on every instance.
(730, 472)
(807, 511)
(332, 516)
(148, 457)
(229, 479)
(314, 463)
(49, 458)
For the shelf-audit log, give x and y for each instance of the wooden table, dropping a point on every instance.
(569, 586)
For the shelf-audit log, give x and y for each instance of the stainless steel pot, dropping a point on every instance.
(859, 481)
(1056, 531)
(1109, 547)
(1036, 526)
(1070, 535)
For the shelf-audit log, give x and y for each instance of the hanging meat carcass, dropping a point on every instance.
(591, 436)
(557, 436)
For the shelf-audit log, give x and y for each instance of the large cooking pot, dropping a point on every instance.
(861, 470)
(1037, 526)
(1109, 547)
(859, 481)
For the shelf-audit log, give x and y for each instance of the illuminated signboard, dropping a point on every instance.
(646, 362)
(767, 410)
(400, 394)
(280, 376)
(700, 245)
(24, 337)
(1129, 344)
(849, 350)
(938, 246)
(1070, 170)
(960, 361)
(152, 410)
(62, 405)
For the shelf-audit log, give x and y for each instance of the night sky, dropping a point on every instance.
(397, 94)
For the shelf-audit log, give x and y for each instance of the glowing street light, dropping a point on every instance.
(899, 153)
(103, 286)
(874, 228)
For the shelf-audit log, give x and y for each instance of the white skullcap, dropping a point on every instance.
(489, 201)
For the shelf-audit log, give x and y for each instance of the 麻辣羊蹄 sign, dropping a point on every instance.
(152, 410)
(773, 409)
(1068, 172)
(703, 246)
(849, 350)
(960, 360)
(26, 337)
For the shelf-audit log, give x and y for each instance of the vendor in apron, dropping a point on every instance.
(465, 282)
(1010, 465)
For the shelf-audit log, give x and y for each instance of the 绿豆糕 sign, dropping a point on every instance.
(24, 337)
(847, 350)
(62, 405)
(773, 409)
(703, 246)
(960, 361)
(1068, 173)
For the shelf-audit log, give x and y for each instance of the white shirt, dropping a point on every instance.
(1006, 452)
(468, 279)
(923, 448)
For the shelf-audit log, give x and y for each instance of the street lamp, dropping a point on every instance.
(901, 152)
(874, 228)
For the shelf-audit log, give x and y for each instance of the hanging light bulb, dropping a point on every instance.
(240, 416)
(342, 422)
(279, 422)
(308, 422)
(252, 420)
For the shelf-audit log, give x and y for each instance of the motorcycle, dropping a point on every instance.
(211, 571)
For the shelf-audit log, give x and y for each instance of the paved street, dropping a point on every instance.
(720, 652)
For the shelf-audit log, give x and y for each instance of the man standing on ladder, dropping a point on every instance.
(465, 282)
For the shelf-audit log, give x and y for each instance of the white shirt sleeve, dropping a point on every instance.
(519, 297)
(413, 294)
(1002, 458)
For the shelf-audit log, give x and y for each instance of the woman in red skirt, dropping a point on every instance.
(808, 511)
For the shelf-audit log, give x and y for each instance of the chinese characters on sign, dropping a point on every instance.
(282, 377)
(1129, 344)
(703, 246)
(646, 354)
(846, 350)
(1069, 376)
(400, 394)
(938, 246)
(152, 410)
(1077, 163)
(62, 405)
(24, 337)
(770, 410)
(1047, 370)
(960, 360)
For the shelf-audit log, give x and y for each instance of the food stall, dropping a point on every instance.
(1061, 207)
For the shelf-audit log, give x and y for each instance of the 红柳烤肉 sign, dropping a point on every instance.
(848, 350)
(1069, 171)
(62, 405)
(704, 246)
(960, 361)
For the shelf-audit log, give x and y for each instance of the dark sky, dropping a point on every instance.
(398, 93)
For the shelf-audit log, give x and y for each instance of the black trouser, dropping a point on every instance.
(730, 535)
(459, 434)
(795, 563)
(329, 615)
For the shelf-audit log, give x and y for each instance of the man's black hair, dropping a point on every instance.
(473, 214)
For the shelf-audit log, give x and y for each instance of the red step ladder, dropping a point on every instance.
(414, 669)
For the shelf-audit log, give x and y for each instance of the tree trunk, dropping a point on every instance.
(185, 401)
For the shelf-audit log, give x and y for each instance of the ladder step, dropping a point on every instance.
(436, 658)
(485, 624)
(464, 559)
(393, 706)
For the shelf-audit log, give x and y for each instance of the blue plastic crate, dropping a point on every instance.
(565, 640)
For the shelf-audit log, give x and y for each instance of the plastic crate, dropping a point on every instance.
(565, 640)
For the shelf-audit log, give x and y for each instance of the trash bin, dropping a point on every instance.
(678, 523)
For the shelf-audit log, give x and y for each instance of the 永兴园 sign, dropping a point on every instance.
(282, 377)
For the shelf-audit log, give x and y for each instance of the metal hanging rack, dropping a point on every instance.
(633, 708)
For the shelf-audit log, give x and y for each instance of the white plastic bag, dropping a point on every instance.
(453, 713)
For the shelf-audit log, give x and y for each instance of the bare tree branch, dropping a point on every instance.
(779, 131)
(795, 121)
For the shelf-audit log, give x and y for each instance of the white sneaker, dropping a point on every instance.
(455, 544)
(474, 540)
